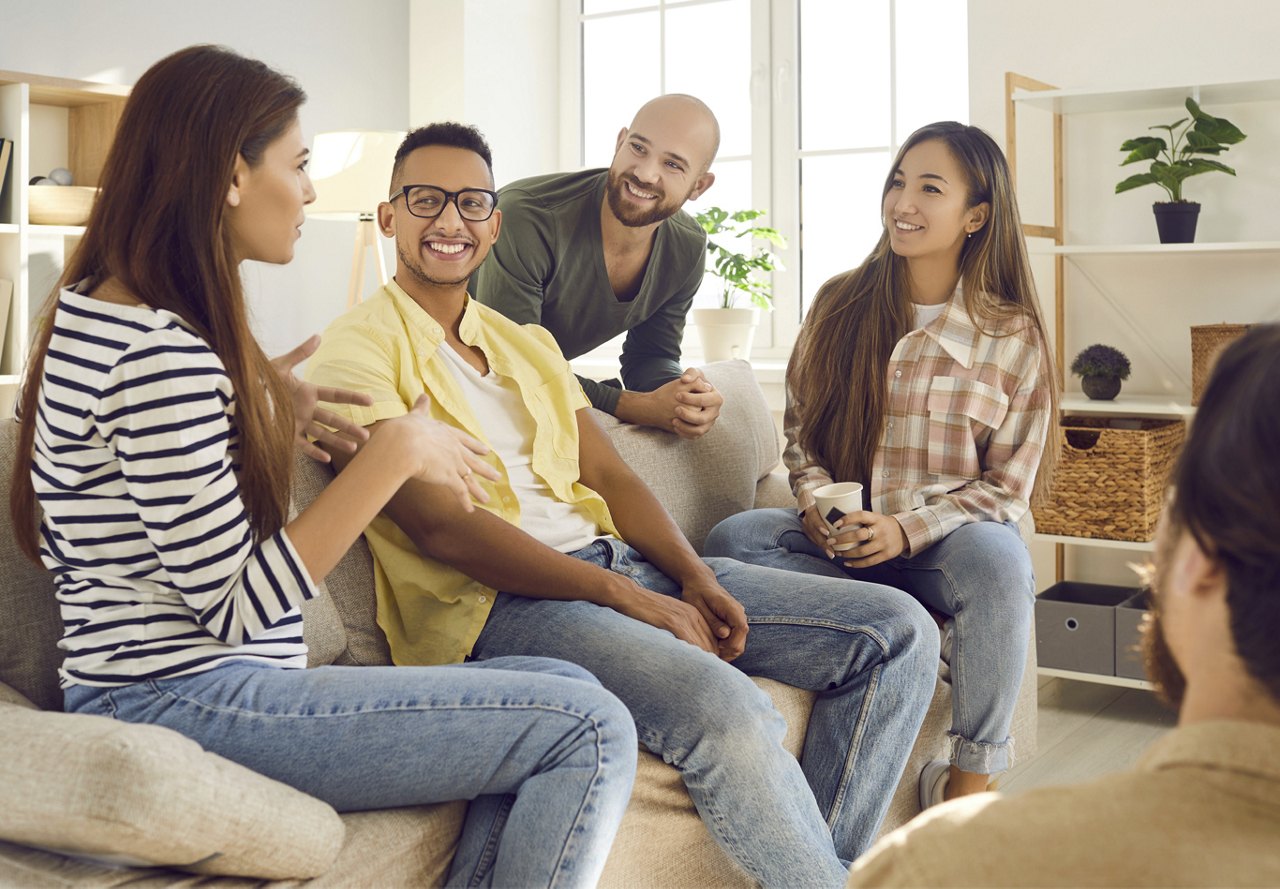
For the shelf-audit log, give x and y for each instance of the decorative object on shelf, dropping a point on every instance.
(60, 204)
(1111, 478)
(728, 331)
(1207, 340)
(1176, 160)
(1101, 368)
(349, 170)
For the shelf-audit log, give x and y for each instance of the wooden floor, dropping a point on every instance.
(1087, 730)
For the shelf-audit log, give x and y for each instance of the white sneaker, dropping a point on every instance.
(933, 783)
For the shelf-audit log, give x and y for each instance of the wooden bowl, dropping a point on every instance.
(60, 204)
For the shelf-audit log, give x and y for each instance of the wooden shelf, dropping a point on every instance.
(1124, 403)
(1136, 545)
(72, 231)
(1098, 678)
(1038, 247)
(1144, 99)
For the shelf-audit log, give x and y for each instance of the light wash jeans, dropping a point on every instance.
(980, 574)
(869, 651)
(547, 755)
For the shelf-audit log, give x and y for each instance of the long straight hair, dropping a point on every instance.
(159, 228)
(838, 369)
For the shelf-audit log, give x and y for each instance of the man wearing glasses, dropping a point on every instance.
(591, 254)
(573, 557)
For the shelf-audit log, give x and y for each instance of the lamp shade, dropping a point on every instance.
(351, 171)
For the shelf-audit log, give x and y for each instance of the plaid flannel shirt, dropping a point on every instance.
(964, 428)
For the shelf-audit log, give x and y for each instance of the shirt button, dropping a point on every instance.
(484, 599)
(885, 473)
(890, 424)
(897, 373)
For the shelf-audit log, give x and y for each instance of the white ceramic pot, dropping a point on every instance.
(726, 333)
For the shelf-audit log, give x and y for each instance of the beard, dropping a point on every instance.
(413, 262)
(638, 217)
(1162, 667)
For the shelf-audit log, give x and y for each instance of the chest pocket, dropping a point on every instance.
(962, 416)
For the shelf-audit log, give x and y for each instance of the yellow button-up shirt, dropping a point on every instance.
(388, 347)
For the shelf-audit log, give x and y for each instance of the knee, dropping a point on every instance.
(610, 718)
(745, 532)
(720, 717)
(550, 666)
(997, 567)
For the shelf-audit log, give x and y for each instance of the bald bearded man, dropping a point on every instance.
(591, 254)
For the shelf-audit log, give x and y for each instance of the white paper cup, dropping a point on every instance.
(835, 501)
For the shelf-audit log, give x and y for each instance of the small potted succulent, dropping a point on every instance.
(727, 331)
(1175, 160)
(1101, 368)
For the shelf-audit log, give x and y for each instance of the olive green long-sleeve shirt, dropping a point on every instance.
(547, 268)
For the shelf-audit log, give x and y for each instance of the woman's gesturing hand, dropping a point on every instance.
(446, 456)
(312, 424)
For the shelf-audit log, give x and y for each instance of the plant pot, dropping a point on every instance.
(1100, 388)
(1176, 221)
(726, 333)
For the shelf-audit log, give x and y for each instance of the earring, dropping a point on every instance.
(968, 236)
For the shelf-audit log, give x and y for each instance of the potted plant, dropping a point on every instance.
(727, 331)
(1176, 160)
(1101, 368)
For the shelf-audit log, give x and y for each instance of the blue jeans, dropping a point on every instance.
(980, 574)
(869, 651)
(546, 754)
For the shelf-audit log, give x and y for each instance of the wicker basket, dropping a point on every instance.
(1111, 479)
(1207, 340)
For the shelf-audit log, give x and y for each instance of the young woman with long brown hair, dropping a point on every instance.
(157, 445)
(925, 375)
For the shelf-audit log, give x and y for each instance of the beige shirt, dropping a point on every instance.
(1202, 808)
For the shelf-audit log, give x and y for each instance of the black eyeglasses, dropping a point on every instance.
(429, 201)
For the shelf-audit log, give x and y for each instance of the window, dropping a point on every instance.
(813, 97)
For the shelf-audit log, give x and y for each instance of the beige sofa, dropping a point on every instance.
(90, 784)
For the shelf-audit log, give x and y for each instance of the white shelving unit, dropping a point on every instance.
(1025, 93)
(53, 122)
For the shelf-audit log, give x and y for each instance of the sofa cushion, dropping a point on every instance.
(348, 587)
(143, 794)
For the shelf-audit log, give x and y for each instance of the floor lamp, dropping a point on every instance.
(351, 171)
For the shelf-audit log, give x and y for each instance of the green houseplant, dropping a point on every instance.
(1101, 368)
(1181, 157)
(727, 331)
(741, 272)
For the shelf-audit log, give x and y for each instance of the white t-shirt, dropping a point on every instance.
(926, 314)
(509, 429)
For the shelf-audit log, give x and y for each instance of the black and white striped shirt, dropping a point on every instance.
(157, 570)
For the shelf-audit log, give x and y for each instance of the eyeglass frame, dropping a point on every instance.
(449, 197)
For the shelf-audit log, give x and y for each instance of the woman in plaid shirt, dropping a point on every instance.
(925, 375)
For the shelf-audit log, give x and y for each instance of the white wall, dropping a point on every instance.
(351, 56)
(494, 65)
(1143, 305)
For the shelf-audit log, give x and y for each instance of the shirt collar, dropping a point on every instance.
(955, 332)
(426, 330)
(1235, 746)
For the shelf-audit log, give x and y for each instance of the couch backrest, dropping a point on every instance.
(701, 482)
(30, 625)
